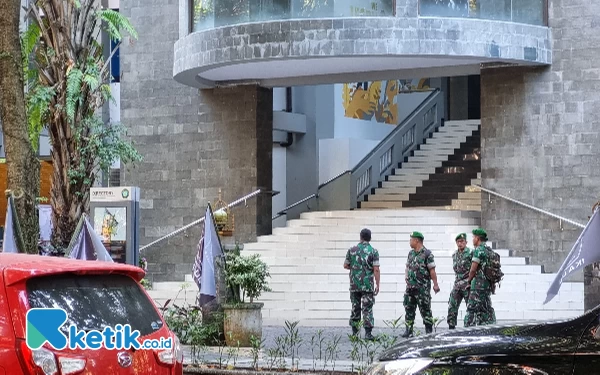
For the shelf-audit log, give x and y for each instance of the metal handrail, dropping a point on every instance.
(392, 134)
(230, 205)
(539, 210)
(285, 210)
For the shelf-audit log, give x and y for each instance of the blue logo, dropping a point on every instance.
(44, 326)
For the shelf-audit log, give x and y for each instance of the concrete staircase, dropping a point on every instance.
(436, 173)
(310, 285)
(468, 200)
(306, 257)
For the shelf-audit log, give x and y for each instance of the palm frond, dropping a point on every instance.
(38, 107)
(92, 81)
(114, 22)
(106, 92)
(30, 38)
(74, 79)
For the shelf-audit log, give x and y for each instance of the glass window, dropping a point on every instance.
(207, 14)
(93, 302)
(521, 11)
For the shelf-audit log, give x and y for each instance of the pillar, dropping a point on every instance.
(193, 143)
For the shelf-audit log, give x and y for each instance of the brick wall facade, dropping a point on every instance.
(540, 141)
(193, 143)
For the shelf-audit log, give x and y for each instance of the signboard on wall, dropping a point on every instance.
(362, 8)
(115, 194)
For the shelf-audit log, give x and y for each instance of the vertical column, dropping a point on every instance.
(193, 143)
(540, 134)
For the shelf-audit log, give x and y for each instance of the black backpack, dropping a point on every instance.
(493, 269)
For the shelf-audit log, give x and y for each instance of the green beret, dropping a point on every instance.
(417, 235)
(462, 236)
(480, 232)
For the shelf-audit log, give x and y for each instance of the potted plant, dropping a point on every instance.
(246, 277)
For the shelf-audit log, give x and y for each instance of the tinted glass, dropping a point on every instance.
(93, 302)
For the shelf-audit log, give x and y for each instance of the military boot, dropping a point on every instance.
(451, 327)
(409, 331)
(354, 331)
(369, 334)
(428, 328)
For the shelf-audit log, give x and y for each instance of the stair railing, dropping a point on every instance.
(398, 145)
(528, 206)
(345, 190)
(243, 199)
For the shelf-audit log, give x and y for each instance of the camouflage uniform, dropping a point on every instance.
(418, 286)
(461, 261)
(361, 259)
(479, 306)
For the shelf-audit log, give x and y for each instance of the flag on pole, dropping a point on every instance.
(585, 251)
(203, 270)
(10, 243)
(86, 244)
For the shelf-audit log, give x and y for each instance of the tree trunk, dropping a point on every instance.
(21, 161)
(68, 201)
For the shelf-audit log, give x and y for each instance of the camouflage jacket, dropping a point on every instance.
(362, 258)
(461, 262)
(418, 265)
(480, 256)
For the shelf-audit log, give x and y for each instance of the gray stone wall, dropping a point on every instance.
(540, 140)
(193, 143)
(474, 39)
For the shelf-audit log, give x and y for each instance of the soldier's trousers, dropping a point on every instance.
(479, 308)
(457, 295)
(362, 302)
(423, 301)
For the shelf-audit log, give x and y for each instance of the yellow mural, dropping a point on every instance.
(367, 100)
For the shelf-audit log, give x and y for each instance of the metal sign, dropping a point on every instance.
(115, 194)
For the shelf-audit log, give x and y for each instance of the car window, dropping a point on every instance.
(93, 302)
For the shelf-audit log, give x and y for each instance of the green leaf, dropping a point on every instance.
(92, 81)
(114, 22)
(74, 80)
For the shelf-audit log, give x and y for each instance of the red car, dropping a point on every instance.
(95, 295)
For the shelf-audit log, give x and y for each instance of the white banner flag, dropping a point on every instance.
(9, 245)
(203, 271)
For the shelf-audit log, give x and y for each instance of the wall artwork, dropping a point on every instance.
(378, 101)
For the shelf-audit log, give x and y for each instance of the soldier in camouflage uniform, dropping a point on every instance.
(461, 261)
(363, 262)
(479, 307)
(420, 270)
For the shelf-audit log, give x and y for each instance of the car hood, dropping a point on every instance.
(560, 336)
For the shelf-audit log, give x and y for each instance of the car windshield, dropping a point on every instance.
(94, 302)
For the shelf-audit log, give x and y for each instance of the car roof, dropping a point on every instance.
(19, 267)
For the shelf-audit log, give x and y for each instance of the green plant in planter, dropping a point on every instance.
(246, 276)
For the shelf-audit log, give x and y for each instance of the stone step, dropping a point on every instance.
(395, 190)
(380, 205)
(443, 259)
(312, 300)
(287, 251)
(401, 214)
(393, 269)
(440, 235)
(388, 197)
(433, 219)
(391, 278)
(341, 288)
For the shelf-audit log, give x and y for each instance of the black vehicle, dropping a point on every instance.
(554, 348)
